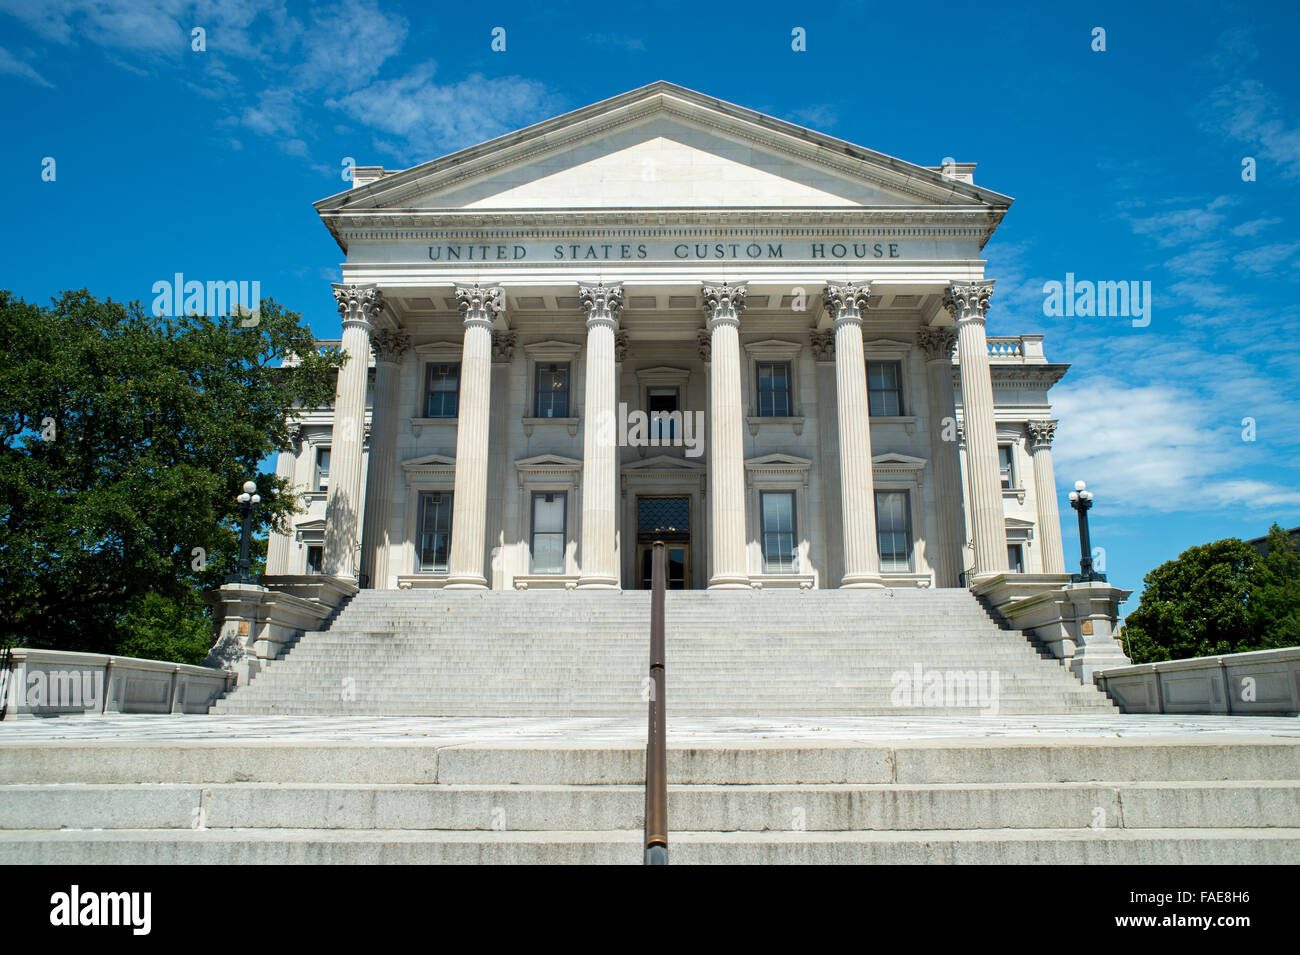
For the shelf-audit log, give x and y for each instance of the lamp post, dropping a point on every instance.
(1081, 501)
(248, 502)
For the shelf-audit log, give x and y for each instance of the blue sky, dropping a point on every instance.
(1126, 165)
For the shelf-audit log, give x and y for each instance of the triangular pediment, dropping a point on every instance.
(664, 462)
(662, 147)
(895, 459)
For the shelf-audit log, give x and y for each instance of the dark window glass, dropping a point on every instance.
(664, 406)
(773, 389)
(322, 468)
(777, 509)
(1015, 559)
(315, 558)
(552, 391)
(885, 388)
(548, 531)
(1004, 464)
(435, 530)
(441, 389)
(893, 531)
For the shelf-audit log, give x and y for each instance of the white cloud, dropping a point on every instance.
(1179, 226)
(1267, 258)
(1155, 448)
(10, 65)
(433, 119)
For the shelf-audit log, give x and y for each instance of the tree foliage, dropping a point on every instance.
(1218, 598)
(124, 440)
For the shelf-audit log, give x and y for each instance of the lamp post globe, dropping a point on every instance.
(1081, 501)
(248, 500)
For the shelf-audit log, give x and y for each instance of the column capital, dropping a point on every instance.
(848, 302)
(389, 345)
(704, 342)
(359, 304)
(1041, 432)
(968, 301)
(937, 341)
(480, 304)
(723, 303)
(503, 346)
(601, 302)
(823, 345)
(620, 345)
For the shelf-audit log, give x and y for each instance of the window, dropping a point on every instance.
(773, 389)
(1004, 464)
(435, 531)
(552, 389)
(441, 389)
(893, 531)
(1015, 558)
(322, 468)
(315, 559)
(548, 531)
(663, 403)
(777, 509)
(885, 389)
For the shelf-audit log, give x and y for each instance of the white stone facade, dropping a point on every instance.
(663, 250)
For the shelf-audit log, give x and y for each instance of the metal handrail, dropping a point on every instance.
(656, 750)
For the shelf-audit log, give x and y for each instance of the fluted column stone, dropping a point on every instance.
(278, 546)
(846, 305)
(359, 306)
(950, 525)
(1049, 514)
(722, 307)
(480, 306)
(602, 304)
(967, 303)
(389, 347)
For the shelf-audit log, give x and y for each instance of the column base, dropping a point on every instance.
(730, 582)
(598, 582)
(466, 582)
(862, 582)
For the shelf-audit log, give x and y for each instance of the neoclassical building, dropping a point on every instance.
(665, 317)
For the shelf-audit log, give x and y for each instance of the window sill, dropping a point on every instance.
(531, 423)
(791, 580)
(755, 421)
(1017, 492)
(899, 579)
(546, 581)
(419, 424)
(429, 579)
(907, 421)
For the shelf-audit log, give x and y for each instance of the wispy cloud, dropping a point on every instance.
(12, 66)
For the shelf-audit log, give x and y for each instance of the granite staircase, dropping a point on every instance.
(737, 654)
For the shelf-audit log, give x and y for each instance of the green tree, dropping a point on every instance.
(1197, 605)
(124, 440)
(1275, 594)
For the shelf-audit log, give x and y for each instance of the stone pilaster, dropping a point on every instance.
(722, 307)
(1049, 515)
(278, 546)
(968, 303)
(602, 304)
(946, 551)
(389, 347)
(359, 306)
(846, 304)
(480, 306)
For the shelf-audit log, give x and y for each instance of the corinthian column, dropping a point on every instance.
(389, 347)
(599, 441)
(1049, 516)
(722, 307)
(277, 545)
(480, 307)
(846, 303)
(937, 342)
(967, 303)
(358, 306)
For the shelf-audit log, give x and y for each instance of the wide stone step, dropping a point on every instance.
(378, 846)
(1127, 805)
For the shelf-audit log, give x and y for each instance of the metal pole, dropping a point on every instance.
(1085, 542)
(244, 537)
(656, 754)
